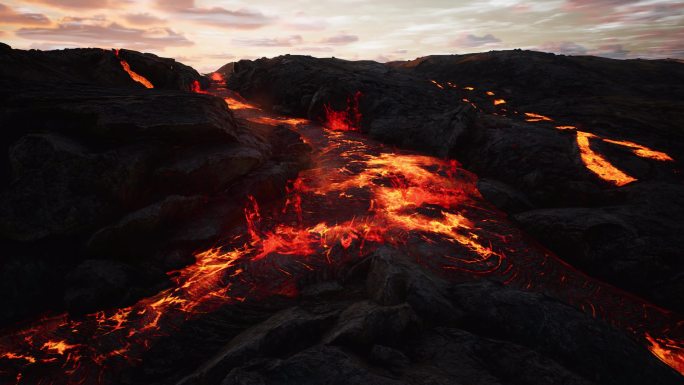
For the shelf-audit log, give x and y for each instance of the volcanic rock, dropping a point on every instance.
(98, 167)
(439, 105)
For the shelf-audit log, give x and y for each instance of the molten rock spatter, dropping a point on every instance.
(348, 119)
(134, 75)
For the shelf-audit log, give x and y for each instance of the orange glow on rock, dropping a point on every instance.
(499, 102)
(598, 164)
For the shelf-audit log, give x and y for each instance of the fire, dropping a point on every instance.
(134, 75)
(669, 351)
(598, 164)
(642, 151)
(532, 117)
(346, 120)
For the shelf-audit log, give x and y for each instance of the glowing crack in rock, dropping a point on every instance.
(357, 196)
(134, 75)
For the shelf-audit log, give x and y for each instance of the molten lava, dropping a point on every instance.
(345, 120)
(532, 117)
(598, 164)
(358, 195)
(642, 151)
(134, 75)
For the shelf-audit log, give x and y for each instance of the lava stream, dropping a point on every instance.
(397, 198)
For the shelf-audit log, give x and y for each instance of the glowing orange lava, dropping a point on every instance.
(236, 104)
(642, 151)
(598, 164)
(668, 351)
(134, 75)
(499, 102)
(532, 117)
(345, 120)
(358, 195)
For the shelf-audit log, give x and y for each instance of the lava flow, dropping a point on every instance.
(592, 160)
(358, 195)
(134, 75)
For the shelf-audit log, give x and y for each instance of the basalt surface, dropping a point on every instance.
(199, 239)
(583, 152)
(107, 184)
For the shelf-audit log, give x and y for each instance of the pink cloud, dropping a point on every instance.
(10, 16)
(288, 41)
(99, 32)
(143, 19)
(216, 16)
(341, 39)
(82, 4)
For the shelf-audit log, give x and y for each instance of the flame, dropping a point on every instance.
(669, 351)
(642, 151)
(346, 120)
(134, 75)
(598, 164)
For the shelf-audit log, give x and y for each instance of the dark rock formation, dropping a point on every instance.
(525, 165)
(94, 66)
(106, 184)
(495, 335)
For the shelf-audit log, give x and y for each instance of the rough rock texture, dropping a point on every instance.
(397, 108)
(524, 165)
(102, 175)
(495, 335)
(95, 66)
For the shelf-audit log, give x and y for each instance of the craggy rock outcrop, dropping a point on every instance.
(526, 165)
(377, 328)
(105, 185)
(94, 66)
(396, 107)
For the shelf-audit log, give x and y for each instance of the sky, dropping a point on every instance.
(208, 34)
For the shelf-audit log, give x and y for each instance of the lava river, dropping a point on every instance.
(358, 194)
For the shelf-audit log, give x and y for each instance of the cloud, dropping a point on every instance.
(563, 48)
(270, 42)
(10, 16)
(216, 16)
(82, 4)
(341, 39)
(470, 40)
(99, 32)
(143, 19)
